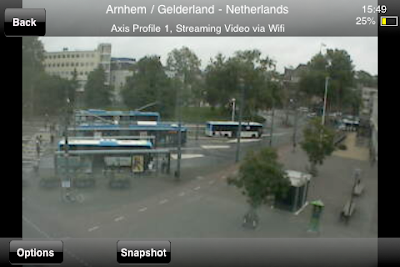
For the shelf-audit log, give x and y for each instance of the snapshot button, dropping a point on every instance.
(25, 22)
(36, 252)
(153, 252)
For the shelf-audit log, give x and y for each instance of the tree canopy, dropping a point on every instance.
(318, 142)
(261, 177)
(150, 84)
(185, 65)
(42, 93)
(97, 93)
(338, 66)
(222, 81)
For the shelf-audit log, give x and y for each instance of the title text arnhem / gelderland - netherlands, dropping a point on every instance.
(197, 10)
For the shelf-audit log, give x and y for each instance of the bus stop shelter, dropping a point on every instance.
(138, 160)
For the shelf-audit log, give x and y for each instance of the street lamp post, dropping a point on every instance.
(178, 170)
(325, 97)
(66, 148)
(241, 107)
(271, 130)
(295, 125)
(233, 109)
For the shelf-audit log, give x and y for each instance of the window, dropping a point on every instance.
(82, 64)
(77, 55)
(72, 56)
(62, 64)
(68, 56)
(67, 64)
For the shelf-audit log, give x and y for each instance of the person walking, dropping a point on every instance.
(38, 148)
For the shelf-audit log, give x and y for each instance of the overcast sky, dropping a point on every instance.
(286, 51)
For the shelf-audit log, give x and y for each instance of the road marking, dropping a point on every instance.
(119, 218)
(243, 140)
(142, 209)
(215, 147)
(163, 201)
(211, 182)
(197, 188)
(274, 134)
(223, 177)
(35, 226)
(181, 194)
(302, 208)
(199, 177)
(187, 156)
(93, 229)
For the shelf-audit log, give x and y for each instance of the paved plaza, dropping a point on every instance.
(202, 204)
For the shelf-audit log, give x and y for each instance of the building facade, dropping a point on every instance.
(367, 95)
(374, 127)
(65, 63)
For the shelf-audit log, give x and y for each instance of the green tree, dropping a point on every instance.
(318, 143)
(51, 94)
(338, 66)
(261, 178)
(150, 84)
(222, 80)
(364, 79)
(32, 69)
(97, 93)
(185, 64)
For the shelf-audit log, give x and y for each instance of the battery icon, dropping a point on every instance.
(390, 21)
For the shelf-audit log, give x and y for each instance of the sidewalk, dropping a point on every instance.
(353, 151)
(333, 186)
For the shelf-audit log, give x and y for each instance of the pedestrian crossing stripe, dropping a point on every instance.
(187, 156)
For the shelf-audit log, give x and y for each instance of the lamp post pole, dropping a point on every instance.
(241, 107)
(325, 98)
(178, 170)
(233, 109)
(271, 131)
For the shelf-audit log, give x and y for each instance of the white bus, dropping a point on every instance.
(230, 129)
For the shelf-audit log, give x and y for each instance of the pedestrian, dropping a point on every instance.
(46, 121)
(52, 138)
(163, 165)
(38, 148)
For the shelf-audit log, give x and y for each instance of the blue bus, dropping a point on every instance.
(230, 129)
(104, 144)
(98, 116)
(165, 134)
